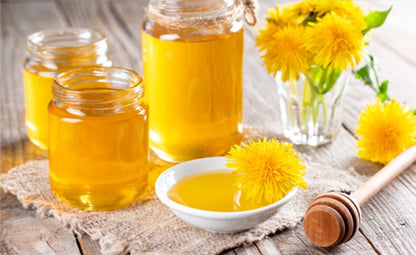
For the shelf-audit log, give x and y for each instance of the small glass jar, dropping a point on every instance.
(192, 62)
(50, 52)
(98, 138)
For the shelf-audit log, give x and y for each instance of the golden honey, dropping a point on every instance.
(38, 93)
(212, 191)
(48, 53)
(193, 80)
(98, 138)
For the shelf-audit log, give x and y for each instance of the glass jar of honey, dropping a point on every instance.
(48, 53)
(192, 62)
(98, 138)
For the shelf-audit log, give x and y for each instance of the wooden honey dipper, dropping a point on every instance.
(334, 218)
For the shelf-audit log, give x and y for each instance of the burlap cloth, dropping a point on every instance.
(149, 227)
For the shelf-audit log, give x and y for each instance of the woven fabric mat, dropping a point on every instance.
(149, 227)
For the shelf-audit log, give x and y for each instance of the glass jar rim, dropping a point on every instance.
(192, 7)
(66, 44)
(135, 79)
(111, 86)
(192, 13)
(35, 38)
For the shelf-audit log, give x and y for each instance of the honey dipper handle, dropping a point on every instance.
(384, 176)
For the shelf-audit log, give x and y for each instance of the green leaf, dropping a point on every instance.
(383, 96)
(375, 19)
(384, 86)
(364, 75)
(371, 59)
(414, 112)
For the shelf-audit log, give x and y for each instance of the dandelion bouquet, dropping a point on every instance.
(308, 46)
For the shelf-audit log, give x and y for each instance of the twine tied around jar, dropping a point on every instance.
(250, 11)
(176, 19)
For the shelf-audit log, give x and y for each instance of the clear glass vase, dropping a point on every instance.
(311, 107)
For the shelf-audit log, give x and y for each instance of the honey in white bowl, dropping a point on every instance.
(212, 191)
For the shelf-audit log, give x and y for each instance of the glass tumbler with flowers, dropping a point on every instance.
(310, 47)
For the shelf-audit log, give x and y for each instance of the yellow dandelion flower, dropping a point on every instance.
(293, 15)
(267, 169)
(286, 53)
(312, 9)
(348, 11)
(281, 17)
(274, 15)
(385, 130)
(275, 21)
(334, 41)
(307, 7)
(265, 36)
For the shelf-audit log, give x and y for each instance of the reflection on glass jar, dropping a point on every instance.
(193, 77)
(48, 53)
(98, 138)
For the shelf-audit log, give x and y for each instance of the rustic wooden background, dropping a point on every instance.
(389, 222)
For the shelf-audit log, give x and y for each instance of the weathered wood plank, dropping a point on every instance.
(267, 246)
(390, 223)
(124, 50)
(89, 246)
(247, 250)
(229, 252)
(293, 241)
(22, 233)
(130, 15)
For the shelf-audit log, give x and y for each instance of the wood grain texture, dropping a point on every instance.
(22, 233)
(89, 246)
(388, 222)
(294, 241)
(384, 176)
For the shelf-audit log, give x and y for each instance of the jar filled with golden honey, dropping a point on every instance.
(98, 138)
(193, 62)
(48, 53)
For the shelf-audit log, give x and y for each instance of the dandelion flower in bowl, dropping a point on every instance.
(267, 169)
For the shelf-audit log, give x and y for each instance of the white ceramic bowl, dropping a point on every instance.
(220, 222)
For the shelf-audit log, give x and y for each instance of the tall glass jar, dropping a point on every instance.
(192, 62)
(48, 53)
(98, 138)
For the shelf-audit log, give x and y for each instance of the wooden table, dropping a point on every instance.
(389, 219)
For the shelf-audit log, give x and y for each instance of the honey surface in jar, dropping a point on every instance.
(211, 191)
(194, 90)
